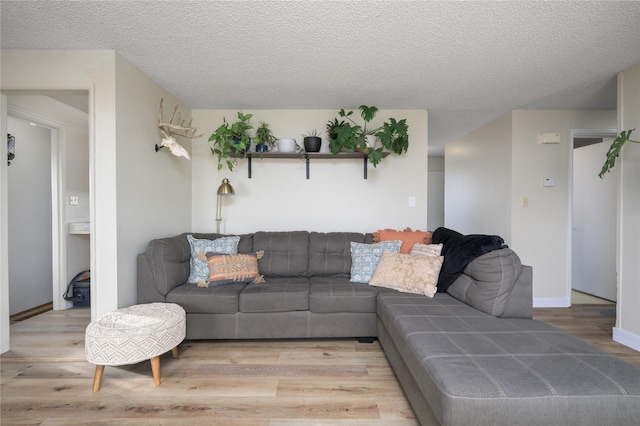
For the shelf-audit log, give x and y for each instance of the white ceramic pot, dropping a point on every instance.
(286, 145)
(371, 141)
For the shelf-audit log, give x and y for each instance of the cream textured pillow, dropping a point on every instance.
(426, 249)
(408, 273)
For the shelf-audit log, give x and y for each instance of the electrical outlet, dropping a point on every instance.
(525, 202)
(73, 200)
(412, 201)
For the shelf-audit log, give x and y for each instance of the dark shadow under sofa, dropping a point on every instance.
(470, 356)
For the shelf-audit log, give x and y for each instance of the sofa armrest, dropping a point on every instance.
(162, 267)
(496, 283)
(147, 291)
(520, 300)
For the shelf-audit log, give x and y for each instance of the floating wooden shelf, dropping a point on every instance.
(307, 157)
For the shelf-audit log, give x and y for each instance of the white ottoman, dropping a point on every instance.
(134, 334)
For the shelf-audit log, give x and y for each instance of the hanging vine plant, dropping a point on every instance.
(614, 151)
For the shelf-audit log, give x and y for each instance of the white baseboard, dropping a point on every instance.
(551, 302)
(626, 338)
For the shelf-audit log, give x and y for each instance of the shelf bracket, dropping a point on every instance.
(249, 165)
(306, 160)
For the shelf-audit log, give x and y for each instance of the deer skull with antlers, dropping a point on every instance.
(170, 130)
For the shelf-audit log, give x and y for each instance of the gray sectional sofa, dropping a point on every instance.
(471, 356)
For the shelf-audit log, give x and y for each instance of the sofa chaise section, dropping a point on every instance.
(461, 366)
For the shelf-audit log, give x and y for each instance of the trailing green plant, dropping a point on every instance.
(264, 136)
(614, 151)
(348, 134)
(231, 137)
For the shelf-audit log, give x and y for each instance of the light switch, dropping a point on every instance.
(412, 201)
(73, 200)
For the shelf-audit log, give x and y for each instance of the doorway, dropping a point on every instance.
(593, 237)
(67, 161)
(30, 220)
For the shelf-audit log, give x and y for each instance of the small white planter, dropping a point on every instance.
(286, 145)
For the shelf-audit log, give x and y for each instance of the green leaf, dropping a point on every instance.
(374, 155)
(614, 151)
(368, 113)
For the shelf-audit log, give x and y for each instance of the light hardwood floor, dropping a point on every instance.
(46, 380)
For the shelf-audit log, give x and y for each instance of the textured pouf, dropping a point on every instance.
(134, 334)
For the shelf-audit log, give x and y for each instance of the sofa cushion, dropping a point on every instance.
(199, 273)
(426, 249)
(487, 281)
(408, 237)
(365, 258)
(330, 253)
(222, 299)
(229, 268)
(169, 262)
(245, 245)
(276, 295)
(408, 273)
(286, 254)
(329, 295)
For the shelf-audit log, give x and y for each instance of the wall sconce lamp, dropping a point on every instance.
(225, 189)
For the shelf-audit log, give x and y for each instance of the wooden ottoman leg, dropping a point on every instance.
(174, 352)
(155, 368)
(97, 378)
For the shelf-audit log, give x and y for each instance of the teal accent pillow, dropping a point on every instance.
(365, 258)
(199, 248)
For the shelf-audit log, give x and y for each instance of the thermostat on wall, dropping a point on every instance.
(549, 182)
(549, 138)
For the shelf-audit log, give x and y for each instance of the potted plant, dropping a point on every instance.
(231, 137)
(348, 134)
(312, 141)
(614, 151)
(264, 139)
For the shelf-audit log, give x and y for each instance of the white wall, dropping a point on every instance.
(335, 198)
(93, 71)
(489, 172)
(29, 178)
(477, 180)
(153, 188)
(435, 193)
(541, 232)
(119, 219)
(627, 330)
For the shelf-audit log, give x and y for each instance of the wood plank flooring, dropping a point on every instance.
(46, 380)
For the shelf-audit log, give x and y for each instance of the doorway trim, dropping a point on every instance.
(579, 133)
(58, 212)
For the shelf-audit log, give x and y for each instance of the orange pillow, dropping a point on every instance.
(408, 237)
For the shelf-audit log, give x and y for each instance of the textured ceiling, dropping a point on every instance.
(465, 62)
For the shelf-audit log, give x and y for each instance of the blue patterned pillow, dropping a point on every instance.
(199, 248)
(365, 257)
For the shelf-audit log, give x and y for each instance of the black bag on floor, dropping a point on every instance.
(80, 289)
